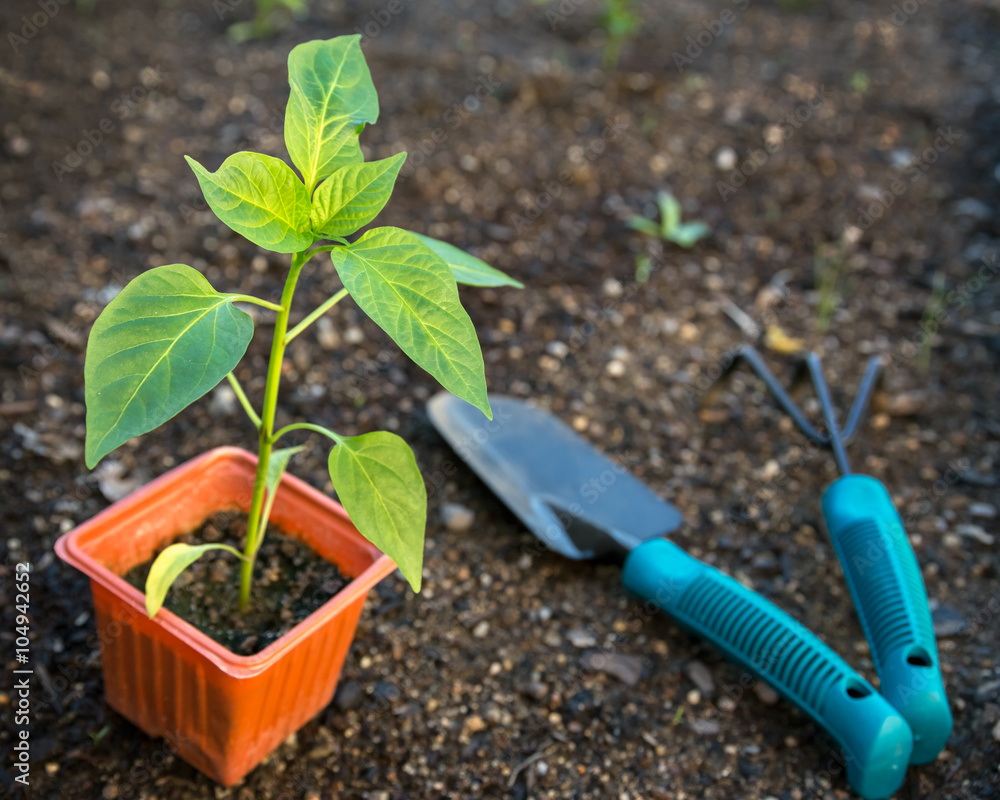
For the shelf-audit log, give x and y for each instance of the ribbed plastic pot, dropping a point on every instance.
(221, 712)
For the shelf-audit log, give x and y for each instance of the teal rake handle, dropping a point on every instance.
(765, 640)
(888, 591)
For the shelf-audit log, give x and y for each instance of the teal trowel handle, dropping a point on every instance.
(884, 578)
(765, 640)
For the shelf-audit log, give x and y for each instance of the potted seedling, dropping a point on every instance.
(169, 337)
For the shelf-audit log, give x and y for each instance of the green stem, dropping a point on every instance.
(266, 429)
(242, 397)
(257, 301)
(304, 426)
(329, 248)
(315, 315)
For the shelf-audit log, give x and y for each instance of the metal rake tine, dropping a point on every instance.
(829, 415)
(870, 383)
(756, 362)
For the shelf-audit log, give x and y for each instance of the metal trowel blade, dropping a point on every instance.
(575, 499)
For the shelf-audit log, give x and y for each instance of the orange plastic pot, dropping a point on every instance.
(221, 712)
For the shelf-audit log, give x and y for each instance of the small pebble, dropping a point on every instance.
(983, 510)
(541, 769)
(791, 742)
(557, 349)
(612, 288)
(456, 517)
(693, 697)
(581, 638)
(905, 404)
(354, 335)
(536, 690)
(349, 696)
(725, 159)
(475, 723)
(974, 532)
(706, 727)
(482, 629)
(326, 334)
(987, 691)
(701, 677)
(972, 207)
(627, 668)
(615, 368)
(765, 693)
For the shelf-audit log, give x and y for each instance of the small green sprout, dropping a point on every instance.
(934, 312)
(670, 229)
(828, 268)
(620, 22)
(270, 17)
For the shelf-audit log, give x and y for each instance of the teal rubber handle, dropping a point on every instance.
(763, 639)
(888, 591)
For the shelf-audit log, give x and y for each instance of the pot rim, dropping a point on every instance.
(70, 550)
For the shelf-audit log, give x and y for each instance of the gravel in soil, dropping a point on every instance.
(290, 582)
(865, 147)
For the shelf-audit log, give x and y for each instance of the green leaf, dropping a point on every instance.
(408, 290)
(259, 197)
(690, 232)
(171, 563)
(275, 469)
(670, 213)
(468, 269)
(380, 486)
(165, 340)
(277, 466)
(637, 223)
(354, 195)
(332, 97)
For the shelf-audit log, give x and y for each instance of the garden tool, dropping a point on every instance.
(583, 505)
(878, 563)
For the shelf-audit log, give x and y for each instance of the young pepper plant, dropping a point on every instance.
(169, 337)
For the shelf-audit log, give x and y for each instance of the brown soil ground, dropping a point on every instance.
(873, 144)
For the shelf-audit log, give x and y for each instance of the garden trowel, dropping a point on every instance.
(583, 505)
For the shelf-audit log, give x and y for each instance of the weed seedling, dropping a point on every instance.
(169, 337)
(670, 229)
(931, 320)
(270, 17)
(620, 22)
(828, 267)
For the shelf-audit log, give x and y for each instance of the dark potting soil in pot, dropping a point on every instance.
(290, 582)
